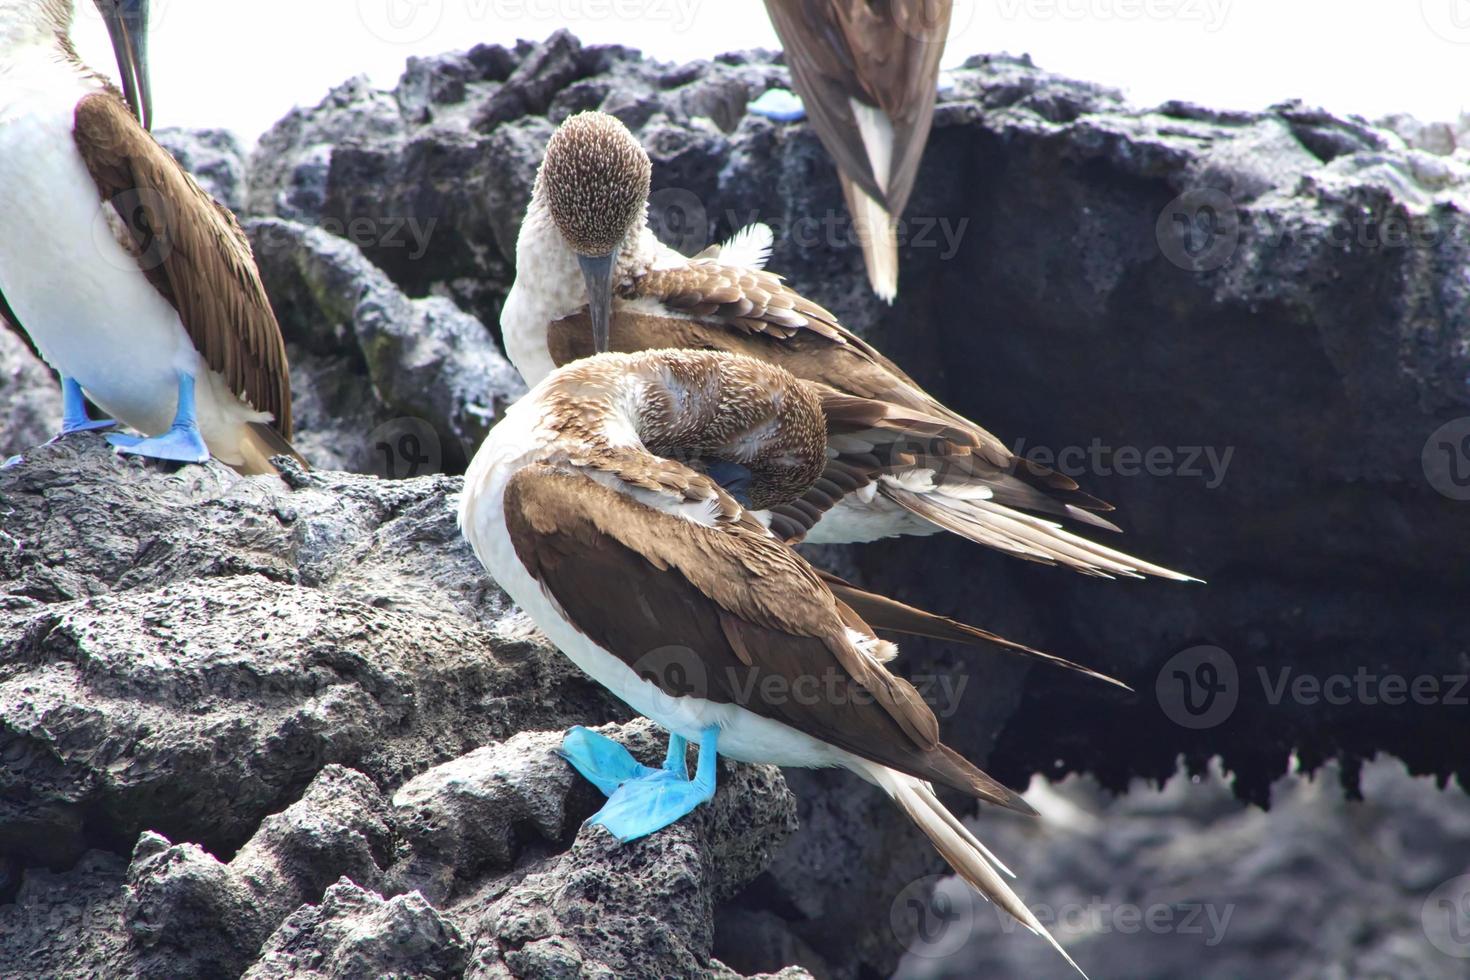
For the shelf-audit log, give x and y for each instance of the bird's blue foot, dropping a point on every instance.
(642, 800)
(779, 104)
(607, 765)
(182, 443)
(74, 417)
(601, 761)
(177, 445)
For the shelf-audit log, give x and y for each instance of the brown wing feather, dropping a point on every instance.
(881, 54)
(752, 299)
(193, 252)
(754, 615)
(889, 421)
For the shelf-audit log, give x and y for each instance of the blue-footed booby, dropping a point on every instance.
(868, 74)
(135, 285)
(899, 461)
(598, 503)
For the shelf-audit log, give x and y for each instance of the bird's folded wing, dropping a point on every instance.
(726, 614)
(193, 252)
(751, 299)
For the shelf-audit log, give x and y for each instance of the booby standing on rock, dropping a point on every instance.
(868, 74)
(134, 284)
(598, 504)
(899, 462)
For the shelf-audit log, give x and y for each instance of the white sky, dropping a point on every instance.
(243, 65)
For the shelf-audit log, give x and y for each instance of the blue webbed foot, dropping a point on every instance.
(182, 443)
(656, 798)
(177, 445)
(601, 761)
(779, 104)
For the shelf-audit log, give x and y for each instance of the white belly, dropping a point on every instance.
(79, 294)
(744, 736)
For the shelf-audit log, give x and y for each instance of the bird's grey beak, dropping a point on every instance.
(127, 23)
(597, 272)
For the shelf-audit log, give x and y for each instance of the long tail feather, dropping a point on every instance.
(969, 858)
(875, 230)
(892, 616)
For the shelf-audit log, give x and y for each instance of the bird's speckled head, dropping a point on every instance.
(595, 179)
(747, 424)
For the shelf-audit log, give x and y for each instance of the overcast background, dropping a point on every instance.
(243, 65)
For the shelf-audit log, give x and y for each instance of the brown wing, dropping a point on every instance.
(193, 252)
(878, 419)
(882, 54)
(743, 617)
(754, 300)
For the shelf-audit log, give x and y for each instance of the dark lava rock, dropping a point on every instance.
(260, 686)
(1247, 330)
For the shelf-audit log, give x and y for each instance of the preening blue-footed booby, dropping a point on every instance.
(868, 74)
(135, 285)
(899, 461)
(599, 504)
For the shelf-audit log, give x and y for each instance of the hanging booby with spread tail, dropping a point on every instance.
(900, 462)
(134, 284)
(868, 74)
(598, 503)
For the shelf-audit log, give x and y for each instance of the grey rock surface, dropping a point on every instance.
(357, 933)
(1189, 882)
(433, 373)
(1247, 330)
(30, 395)
(215, 157)
(257, 687)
